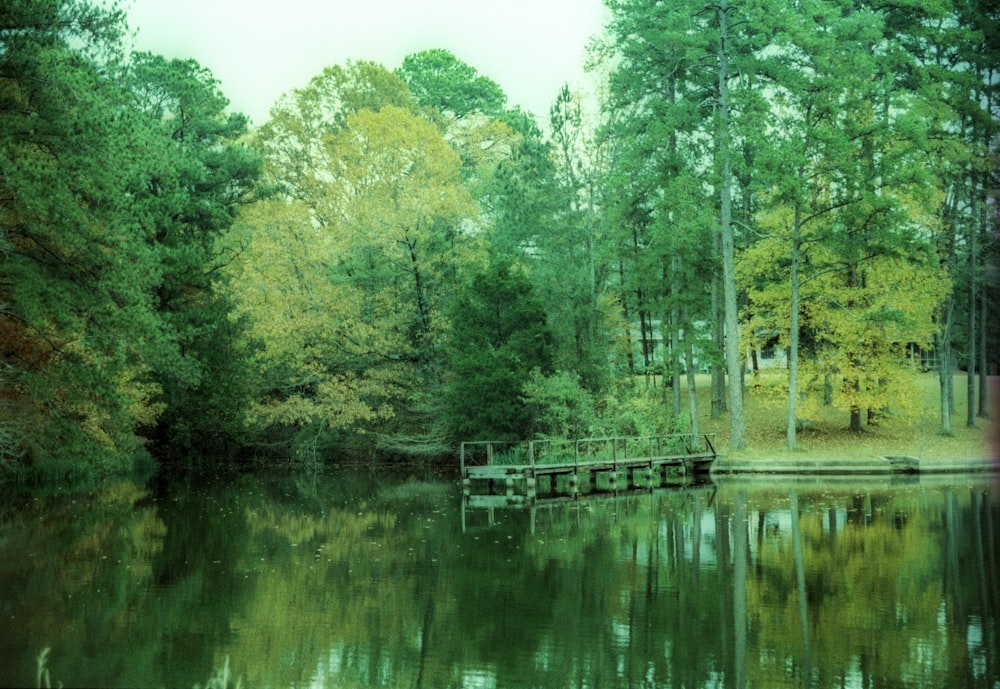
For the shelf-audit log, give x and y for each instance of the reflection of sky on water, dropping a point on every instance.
(479, 679)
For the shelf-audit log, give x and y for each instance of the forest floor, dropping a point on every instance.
(827, 436)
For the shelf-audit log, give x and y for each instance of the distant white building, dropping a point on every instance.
(658, 348)
(768, 354)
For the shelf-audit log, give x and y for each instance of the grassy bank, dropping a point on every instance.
(827, 434)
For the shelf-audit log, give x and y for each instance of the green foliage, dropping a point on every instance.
(78, 274)
(849, 258)
(204, 174)
(632, 408)
(498, 338)
(150, 289)
(438, 79)
(560, 405)
(118, 179)
(342, 278)
(828, 115)
(524, 199)
(687, 76)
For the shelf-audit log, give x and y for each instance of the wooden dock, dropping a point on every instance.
(582, 466)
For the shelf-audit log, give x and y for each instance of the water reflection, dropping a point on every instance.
(360, 580)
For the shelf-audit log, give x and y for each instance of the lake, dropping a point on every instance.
(363, 579)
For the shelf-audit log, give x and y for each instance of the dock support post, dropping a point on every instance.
(632, 477)
(585, 477)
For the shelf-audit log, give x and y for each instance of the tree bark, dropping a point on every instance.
(856, 420)
(418, 285)
(793, 334)
(691, 382)
(984, 386)
(629, 356)
(737, 430)
(675, 335)
(718, 332)
(971, 359)
(984, 409)
(945, 364)
(944, 368)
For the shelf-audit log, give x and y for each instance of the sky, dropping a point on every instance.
(260, 49)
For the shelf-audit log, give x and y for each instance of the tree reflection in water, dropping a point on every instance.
(366, 580)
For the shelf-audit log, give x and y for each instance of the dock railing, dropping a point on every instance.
(583, 450)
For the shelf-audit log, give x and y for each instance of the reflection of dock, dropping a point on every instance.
(503, 501)
(580, 467)
(701, 484)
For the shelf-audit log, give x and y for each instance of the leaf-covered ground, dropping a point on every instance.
(827, 434)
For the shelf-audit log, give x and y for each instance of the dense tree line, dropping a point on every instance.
(119, 174)
(847, 150)
(397, 260)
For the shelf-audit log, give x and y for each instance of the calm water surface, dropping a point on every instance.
(360, 580)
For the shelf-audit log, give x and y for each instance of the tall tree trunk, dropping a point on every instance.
(672, 366)
(675, 334)
(630, 357)
(793, 334)
(945, 355)
(737, 430)
(944, 367)
(971, 359)
(984, 409)
(856, 420)
(593, 309)
(691, 382)
(984, 385)
(676, 274)
(423, 311)
(719, 336)
(644, 336)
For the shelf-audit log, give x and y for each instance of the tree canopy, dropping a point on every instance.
(398, 259)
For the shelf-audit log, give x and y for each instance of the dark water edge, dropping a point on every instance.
(62, 476)
(383, 578)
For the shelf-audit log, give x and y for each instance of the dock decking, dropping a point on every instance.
(644, 460)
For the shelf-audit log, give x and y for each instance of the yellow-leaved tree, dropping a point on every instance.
(314, 350)
(858, 336)
(341, 276)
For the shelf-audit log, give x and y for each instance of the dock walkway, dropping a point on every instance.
(488, 466)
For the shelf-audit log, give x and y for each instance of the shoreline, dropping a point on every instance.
(881, 465)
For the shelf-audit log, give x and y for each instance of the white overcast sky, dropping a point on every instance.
(259, 49)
